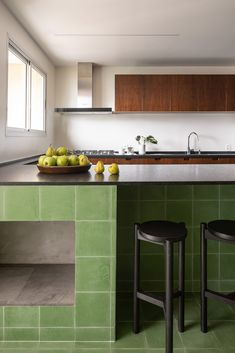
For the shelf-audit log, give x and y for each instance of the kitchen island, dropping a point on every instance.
(104, 208)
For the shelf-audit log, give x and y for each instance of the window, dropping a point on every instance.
(26, 95)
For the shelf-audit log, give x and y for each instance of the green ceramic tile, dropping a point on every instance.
(212, 267)
(21, 334)
(194, 338)
(124, 267)
(227, 210)
(226, 248)
(93, 238)
(56, 316)
(224, 332)
(151, 210)
(179, 192)
(212, 284)
(22, 316)
(219, 311)
(57, 203)
(113, 270)
(114, 238)
(1, 316)
(227, 267)
(127, 213)
(227, 286)
(90, 346)
(57, 334)
(158, 340)
(113, 309)
(206, 192)
(93, 203)
(132, 350)
(92, 334)
(127, 339)
(152, 192)
(125, 240)
(93, 274)
(180, 211)
(128, 192)
(21, 203)
(1, 202)
(92, 309)
(227, 192)
(113, 202)
(152, 267)
(205, 211)
(212, 246)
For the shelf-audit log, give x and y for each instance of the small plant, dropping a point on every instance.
(142, 140)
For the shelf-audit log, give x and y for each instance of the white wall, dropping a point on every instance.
(17, 147)
(113, 131)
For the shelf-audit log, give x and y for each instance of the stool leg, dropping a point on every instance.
(136, 326)
(203, 278)
(169, 297)
(181, 284)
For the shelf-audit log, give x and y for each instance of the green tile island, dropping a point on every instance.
(104, 209)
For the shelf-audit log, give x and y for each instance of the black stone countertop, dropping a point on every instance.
(27, 174)
(167, 154)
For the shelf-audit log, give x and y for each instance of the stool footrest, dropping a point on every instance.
(226, 298)
(156, 299)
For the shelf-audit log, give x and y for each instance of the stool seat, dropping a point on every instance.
(223, 229)
(160, 231)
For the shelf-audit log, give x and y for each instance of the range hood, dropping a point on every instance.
(82, 104)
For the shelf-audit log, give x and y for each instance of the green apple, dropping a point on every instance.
(49, 162)
(55, 157)
(73, 159)
(62, 161)
(61, 151)
(41, 159)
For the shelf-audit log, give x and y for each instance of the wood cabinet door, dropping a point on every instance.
(128, 93)
(211, 92)
(183, 93)
(157, 93)
(230, 93)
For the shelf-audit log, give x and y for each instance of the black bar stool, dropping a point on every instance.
(219, 230)
(163, 233)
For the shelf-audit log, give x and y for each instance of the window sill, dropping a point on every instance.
(14, 132)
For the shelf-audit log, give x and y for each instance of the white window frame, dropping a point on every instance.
(27, 131)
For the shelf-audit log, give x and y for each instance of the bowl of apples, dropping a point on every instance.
(59, 161)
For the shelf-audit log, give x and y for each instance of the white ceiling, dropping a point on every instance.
(131, 32)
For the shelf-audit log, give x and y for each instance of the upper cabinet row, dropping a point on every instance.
(177, 93)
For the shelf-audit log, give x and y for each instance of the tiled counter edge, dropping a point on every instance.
(93, 209)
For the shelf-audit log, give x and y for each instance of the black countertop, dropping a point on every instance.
(27, 174)
(167, 154)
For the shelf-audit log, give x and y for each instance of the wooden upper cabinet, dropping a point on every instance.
(183, 93)
(177, 93)
(211, 92)
(230, 93)
(157, 93)
(129, 93)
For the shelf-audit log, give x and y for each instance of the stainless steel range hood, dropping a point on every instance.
(84, 94)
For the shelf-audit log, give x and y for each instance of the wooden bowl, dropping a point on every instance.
(70, 169)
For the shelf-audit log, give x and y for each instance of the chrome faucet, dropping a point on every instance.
(192, 150)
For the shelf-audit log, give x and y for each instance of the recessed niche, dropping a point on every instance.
(37, 263)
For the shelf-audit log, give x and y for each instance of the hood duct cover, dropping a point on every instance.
(84, 93)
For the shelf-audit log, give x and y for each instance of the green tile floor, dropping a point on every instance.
(219, 339)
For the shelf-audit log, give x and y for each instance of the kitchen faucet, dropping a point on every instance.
(192, 150)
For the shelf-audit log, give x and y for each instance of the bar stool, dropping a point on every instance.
(219, 230)
(163, 233)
